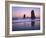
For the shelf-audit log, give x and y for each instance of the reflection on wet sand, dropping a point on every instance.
(30, 25)
(33, 24)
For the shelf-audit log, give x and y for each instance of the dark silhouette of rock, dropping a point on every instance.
(24, 15)
(32, 14)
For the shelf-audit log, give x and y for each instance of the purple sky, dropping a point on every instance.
(20, 11)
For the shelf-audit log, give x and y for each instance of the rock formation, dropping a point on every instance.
(32, 14)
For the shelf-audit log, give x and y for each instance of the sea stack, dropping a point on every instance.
(32, 14)
(24, 15)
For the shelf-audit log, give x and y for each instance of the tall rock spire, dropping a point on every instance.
(24, 15)
(32, 14)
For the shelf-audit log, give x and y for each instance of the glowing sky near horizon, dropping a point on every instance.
(20, 11)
